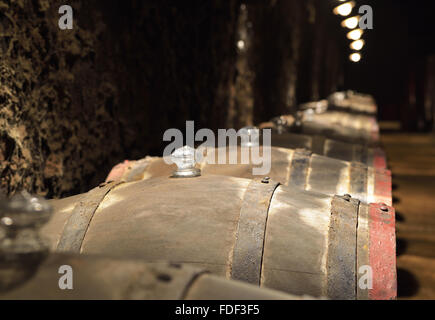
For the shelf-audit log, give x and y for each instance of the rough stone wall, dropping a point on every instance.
(73, 103)
(55, 108)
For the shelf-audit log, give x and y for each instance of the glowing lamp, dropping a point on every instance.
(350, 23)
(357, 45)
(344, 9)
(355, 57)
(355, 34)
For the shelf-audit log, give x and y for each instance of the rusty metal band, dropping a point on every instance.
(363, 242)
(299, 168)
(248, 249)
(342, 249)
(75, 228)
(358, 181)
(318, 145)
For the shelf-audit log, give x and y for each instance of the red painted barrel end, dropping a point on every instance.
(118, 171)
(383, 187)
(379, 159)
(382, 252)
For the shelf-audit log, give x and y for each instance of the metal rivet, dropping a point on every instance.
(384, 207)
(347, 197)
(265, 180)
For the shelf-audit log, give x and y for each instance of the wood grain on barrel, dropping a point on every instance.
(342, 249)
(102, 278)
(342, 126)
(298, 167)
(321, 145)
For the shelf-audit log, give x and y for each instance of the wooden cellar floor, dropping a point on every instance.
(411, 158)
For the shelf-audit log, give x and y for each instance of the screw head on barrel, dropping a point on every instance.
(384, 207)
(265, 180)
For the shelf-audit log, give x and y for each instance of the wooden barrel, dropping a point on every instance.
(372, 157)
(354, 128)
(351, 101)
(299, 167)
(96, 278)
(341, 126)
(260, 232)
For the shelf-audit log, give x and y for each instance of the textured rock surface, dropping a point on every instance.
(54, 106)
(75, 102)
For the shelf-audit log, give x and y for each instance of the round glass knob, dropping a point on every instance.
(184, 158)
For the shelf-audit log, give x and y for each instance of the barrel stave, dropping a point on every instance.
(169, 219)
(300, 168)
(296, 241)
(101, 278)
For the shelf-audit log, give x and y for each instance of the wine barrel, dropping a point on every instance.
(98, 278)
(341, 126)
(261, 232)
(351, 101)
(372, 157)
(299, 167)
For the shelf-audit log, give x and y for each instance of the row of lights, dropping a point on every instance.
(352, 23)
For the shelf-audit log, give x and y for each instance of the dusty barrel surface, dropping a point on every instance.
(260, 232)
(97, 278)
(373, 157)
(298, 167)
(336, 125)
(342, 126)
(352, 102)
